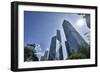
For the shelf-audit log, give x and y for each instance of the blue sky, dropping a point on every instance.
(40, 27)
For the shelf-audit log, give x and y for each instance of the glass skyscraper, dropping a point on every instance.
(60, 45)
(74, 40)
(52, 51)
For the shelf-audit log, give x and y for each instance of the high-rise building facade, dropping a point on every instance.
(67, 48)
(60, 45)
(52, 51)
(74, 40)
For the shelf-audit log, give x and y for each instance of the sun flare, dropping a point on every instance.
(80, 22)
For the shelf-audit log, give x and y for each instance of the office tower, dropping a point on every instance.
(52, 51)
(67, 48)
(60, 45)
(74, 40)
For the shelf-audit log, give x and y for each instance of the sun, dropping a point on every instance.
(80, 22)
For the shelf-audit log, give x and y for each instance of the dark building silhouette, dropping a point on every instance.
(60, 45)
(67, 48)
(60, 53)
(52, 51)
(74, 40)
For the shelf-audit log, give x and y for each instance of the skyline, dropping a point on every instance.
(39, 27)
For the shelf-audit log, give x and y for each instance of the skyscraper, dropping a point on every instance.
(45, 56)
(52, 51)
(67, 48)
(60, 45)
(74, 40)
